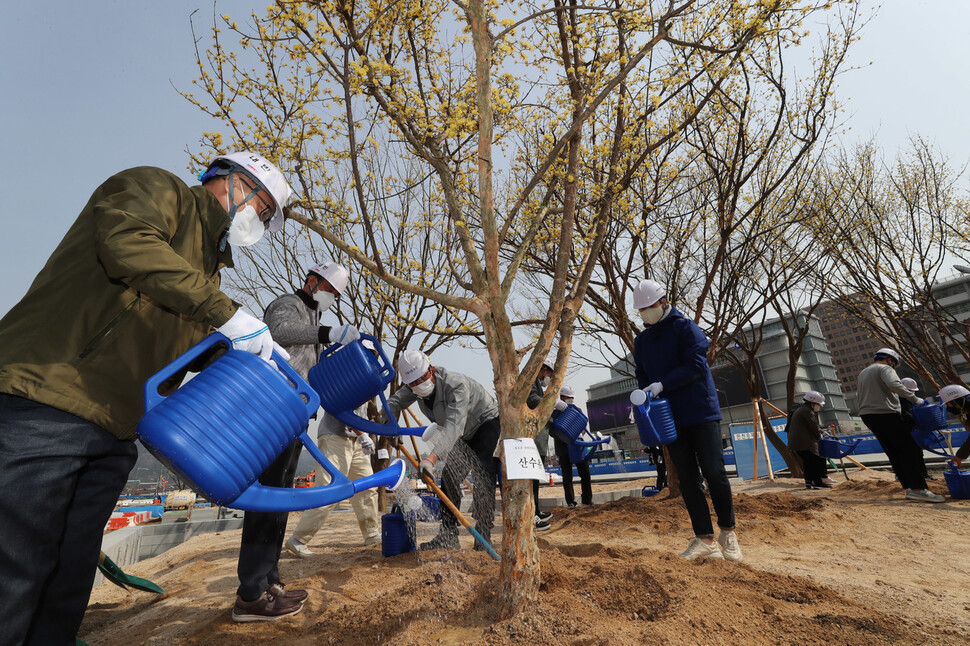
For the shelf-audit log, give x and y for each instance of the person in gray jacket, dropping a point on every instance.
(803, 436)
(294, 322)
(463, 433)
(542, 518)
(879, 390)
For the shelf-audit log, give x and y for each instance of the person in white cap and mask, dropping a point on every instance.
(543, 519)
(294, 321)
(906, 409)
(133, 284)
(804, 434)
(879, 390)
(670, 356)
(567, 396)
(463, 433)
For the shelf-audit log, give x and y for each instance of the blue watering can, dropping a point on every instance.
(220, 430)
(958, 482)
(829, 447)
(568, 424)
(654, 419)
(929, 417)
(931, 441)
(581, 449)
(350, 375)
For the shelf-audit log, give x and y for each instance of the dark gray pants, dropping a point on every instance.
(473, 456)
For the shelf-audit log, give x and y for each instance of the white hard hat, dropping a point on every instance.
(566, 391)
(910, 384)
(951, 392)
(267, 176)
(647, 293)
(549, 363)
(887, 352)
(412, 365)
(335, 274)
(814, 397)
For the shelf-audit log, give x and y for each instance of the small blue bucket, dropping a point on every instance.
(930, 417)
(397, 534)
(958, 482)
(647, 492)
(655, 420)
(568, 424)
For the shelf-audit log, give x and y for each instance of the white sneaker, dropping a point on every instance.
(923, 495)
(296, 548)
(699, 549)
(828, 480)
(730, 549)
(370, 540)
(542, 524)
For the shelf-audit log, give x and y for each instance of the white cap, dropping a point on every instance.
(549, 363)
(647, 293)
(335, 274)
(268, 177)
(910, 384)
(887, 352)
(814, 397)
(566, 391)
(412, 365)
(951, 392)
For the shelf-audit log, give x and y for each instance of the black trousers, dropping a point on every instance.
(263, 532)
(814, 467)
(904, 455)
(582, 468)
(475, 456)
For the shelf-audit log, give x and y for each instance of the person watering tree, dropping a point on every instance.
(879, 390)
(294, 321)
(132, 285)
(566, 397)
(804, 434)
(670, 356)
(463, 433)
(542, 518)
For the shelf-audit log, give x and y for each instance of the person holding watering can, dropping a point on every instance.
(133, 284)
(294, 321)
(670, 355)
(464, 432)
(542, 518)
(955, 397)
(566, 397)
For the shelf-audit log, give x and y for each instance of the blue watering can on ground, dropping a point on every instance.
(350, 375)
(220, 430)
(582, 448)
(655, 420)
(568, 424)
(958, 482)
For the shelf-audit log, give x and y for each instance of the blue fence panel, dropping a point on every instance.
(742, 439)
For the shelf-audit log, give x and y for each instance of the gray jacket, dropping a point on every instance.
(879, 390)
(460, 405)
(296, 327)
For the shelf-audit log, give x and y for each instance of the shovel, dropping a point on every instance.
(117, 576)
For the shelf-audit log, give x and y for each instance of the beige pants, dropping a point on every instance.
(345, 454)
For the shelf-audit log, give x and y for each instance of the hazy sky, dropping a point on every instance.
(90, 89)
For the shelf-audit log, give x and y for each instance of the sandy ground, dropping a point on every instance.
(856, 564)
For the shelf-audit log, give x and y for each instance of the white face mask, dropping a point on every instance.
(544, 382)
(423, 389)
(652, 315)
(246, 228)
(324, 300)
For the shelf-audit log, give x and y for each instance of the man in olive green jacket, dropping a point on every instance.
(133, 284)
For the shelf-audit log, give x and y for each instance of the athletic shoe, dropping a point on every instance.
(296, 548)
(279, 590)
(370, 540)
(828, 480)
(268, 607)
(443, 541)
(541, 524)
(923, 495)
(730, 549)
(544, 515)
(571, 504)
(699, 549)
(821, 484)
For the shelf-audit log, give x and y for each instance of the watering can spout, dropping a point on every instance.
(391, 477)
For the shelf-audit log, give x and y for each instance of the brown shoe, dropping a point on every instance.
(269, 607)
(279, 590)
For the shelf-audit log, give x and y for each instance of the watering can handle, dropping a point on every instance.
(152, 397)
(384, 361)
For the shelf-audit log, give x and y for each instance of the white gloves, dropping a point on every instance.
(655, 389)
(429, 432)
(344, 334)
(920, 401)
(248, 333)
(427, 465)
(367, 445)
(560, 405)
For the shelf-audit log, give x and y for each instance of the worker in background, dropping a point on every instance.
(132, 286)
(566, 397)
(906, 409)
(803, 437)
(463, 434)
(670, 355)
(879, 390)
(349, 450)
(542, 518)
(294, 321)
(956, 398)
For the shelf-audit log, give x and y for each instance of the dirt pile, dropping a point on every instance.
(852, 565)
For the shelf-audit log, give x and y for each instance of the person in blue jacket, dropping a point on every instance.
(670, 355)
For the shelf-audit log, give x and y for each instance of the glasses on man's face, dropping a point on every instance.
(264, 211)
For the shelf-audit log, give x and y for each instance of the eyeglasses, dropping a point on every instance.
(268, 210)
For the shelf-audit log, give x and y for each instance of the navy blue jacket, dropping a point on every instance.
(674, 352)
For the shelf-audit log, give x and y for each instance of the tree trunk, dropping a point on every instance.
(520, 553)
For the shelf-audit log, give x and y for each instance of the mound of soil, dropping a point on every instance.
(856, 564)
